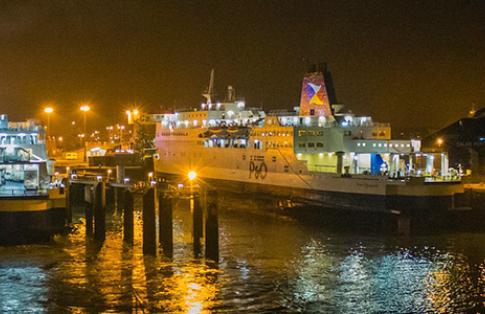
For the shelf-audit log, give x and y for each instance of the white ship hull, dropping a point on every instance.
(279, 174)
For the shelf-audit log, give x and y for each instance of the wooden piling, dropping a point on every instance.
(212, 227)
(69, 201)
(198, 223)
(89, 212)
(149, 228)
(127, 197)
(100, 212)
(165, 223)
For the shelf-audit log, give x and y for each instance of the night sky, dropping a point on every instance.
(412, 63)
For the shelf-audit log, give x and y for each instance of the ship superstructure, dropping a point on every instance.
(31, 207)
(317, 153)
(24, 166)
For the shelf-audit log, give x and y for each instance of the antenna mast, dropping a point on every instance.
(210, 89)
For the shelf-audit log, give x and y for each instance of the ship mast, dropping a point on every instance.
(209, 93)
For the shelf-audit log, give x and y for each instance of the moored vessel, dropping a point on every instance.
(316, 154)
(32, 207)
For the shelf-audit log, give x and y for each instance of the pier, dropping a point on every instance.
(156, 205)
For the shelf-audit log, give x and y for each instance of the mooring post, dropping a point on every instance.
(89, 210)
(100, 212)
(69, 200)
(109, 197)
(212, 227)
(149, 229)
(198, 222)
(127, 216)
(120, 202)
(165, 223)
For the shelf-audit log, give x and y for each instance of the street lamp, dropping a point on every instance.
(48, 111)
(439, 141)
(132, 115)
(84, 109)
(121, 128)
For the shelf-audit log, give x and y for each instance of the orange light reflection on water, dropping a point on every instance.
(115, 276)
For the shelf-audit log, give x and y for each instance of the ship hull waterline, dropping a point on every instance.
(30, 219)
(413, 205)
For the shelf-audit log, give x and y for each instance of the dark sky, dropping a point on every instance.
(412, 63)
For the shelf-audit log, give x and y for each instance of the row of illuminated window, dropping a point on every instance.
(310, 133)
(271, 133)
(26, 139)
(173, 134)
(395, 145)
(310, 145)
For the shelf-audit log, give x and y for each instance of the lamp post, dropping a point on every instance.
(121, 127)
(48, 111)
(84, 109)
(440, 142)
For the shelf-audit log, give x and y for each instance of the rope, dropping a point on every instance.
(294, 171)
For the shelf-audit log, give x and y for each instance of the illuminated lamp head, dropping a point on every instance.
(192, 175)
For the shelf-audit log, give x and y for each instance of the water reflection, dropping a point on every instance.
(268, 264)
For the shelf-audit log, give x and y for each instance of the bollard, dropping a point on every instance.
(165, 223)
(100, 212)
(89, 213)
(149, 228)
(198, 222)
(127, 196)
(212, 227)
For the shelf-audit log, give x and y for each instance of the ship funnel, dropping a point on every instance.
(317, 92)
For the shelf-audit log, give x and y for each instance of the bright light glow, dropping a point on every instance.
(48, 110)
(192, 175)
(439, 141)
(136, 112)
(150, 175)
(85, 108)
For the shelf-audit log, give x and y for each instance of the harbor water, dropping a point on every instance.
(268, 263)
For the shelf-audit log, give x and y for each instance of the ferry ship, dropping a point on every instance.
(31, 206)
(317, 154)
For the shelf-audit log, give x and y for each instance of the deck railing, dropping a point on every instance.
(21, 192)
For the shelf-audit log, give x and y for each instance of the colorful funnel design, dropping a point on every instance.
(314, 98)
